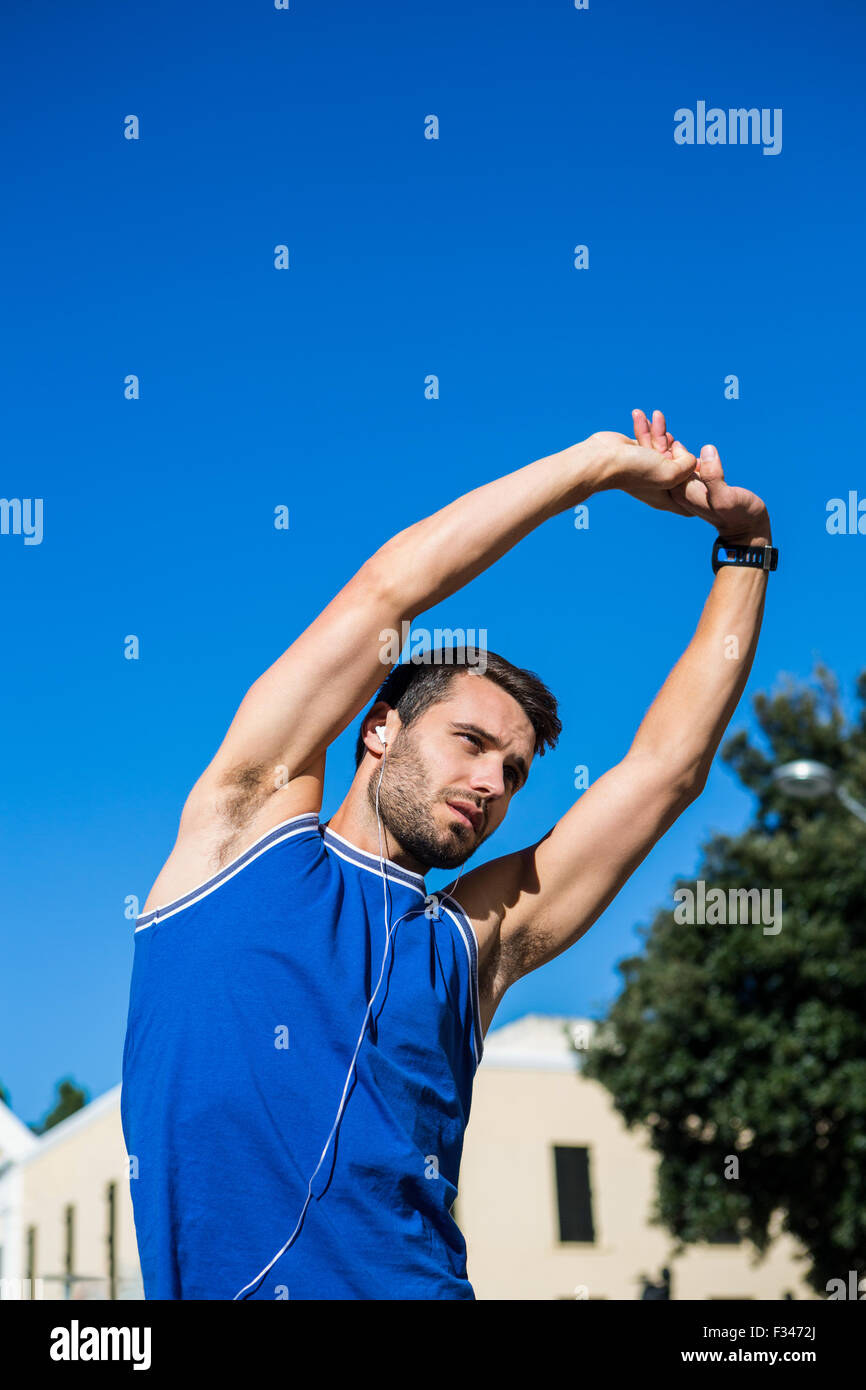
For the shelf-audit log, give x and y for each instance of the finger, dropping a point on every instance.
(712, 474)
(710, 454)
(641, 429)
(659, 432)
(681, 454)
(679, 473)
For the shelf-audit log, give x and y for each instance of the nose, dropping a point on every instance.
(487, 782)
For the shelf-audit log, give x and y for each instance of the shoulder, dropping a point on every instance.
(225, 814)
(481, 928)
(487, 896)
(206, 849)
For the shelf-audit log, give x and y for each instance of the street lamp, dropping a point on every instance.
(808, 781)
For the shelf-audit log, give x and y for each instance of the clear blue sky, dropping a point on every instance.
(306, 388)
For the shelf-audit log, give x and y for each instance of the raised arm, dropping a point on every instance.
(296, 709)
(532, 905)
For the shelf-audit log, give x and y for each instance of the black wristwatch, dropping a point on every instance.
(759, 557)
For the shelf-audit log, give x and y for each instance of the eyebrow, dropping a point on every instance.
(497, 743)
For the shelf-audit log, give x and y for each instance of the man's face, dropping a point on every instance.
(473, 750)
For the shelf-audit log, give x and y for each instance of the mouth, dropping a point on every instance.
(468, 813)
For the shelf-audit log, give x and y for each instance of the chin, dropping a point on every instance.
(451, 860)
(459, 842)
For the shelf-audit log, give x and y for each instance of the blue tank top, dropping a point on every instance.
(246, 1002)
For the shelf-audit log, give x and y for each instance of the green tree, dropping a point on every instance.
(729, 1040)
(69, 1099)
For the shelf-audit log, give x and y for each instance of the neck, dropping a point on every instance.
(355, 820)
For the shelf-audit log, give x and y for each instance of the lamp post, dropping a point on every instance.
(808, 781)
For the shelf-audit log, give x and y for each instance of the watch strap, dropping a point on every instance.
(760, 557)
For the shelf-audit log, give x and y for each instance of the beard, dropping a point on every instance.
(406, 809)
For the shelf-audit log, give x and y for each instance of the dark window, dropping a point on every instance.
(31, 1257)
(111, 1238)
(69, 1254)
(573, 1193)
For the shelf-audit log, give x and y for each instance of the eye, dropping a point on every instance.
(473, 738)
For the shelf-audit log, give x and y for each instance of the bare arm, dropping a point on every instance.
(296, 709)
(685, 723)
(532, 905)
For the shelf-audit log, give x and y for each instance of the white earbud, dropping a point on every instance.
(382, 732)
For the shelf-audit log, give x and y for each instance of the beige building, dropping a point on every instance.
(66, 1225)
(554, 1194)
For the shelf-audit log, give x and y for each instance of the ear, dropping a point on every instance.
(378, 733)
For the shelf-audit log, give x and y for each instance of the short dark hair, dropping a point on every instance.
(411, 687)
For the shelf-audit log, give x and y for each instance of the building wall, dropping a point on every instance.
(16, 1141)
(73, 1165)
(10, 1224)
(507, 1204)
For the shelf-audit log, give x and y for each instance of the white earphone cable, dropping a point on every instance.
(389, 931)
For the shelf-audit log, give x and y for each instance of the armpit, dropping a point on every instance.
(243, 791)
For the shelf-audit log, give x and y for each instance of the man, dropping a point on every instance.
(305, 1020)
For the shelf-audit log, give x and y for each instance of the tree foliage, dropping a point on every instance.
(69, 1099)
(727, 1040)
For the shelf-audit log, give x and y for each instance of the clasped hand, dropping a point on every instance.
(657, 469)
